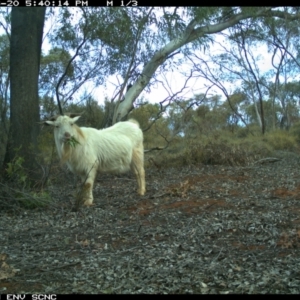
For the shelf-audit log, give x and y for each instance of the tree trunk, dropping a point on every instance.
(257, 114)
(25, 50)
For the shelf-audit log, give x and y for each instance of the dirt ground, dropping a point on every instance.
(199, 229)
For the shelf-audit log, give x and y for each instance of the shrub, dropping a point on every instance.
(16, 191)
(220, 148)
(281, 140)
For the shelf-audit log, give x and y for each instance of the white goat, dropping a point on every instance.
(86, 150)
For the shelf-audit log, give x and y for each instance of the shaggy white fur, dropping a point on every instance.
(87, 150)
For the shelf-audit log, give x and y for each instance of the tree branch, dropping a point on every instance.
(70, 61)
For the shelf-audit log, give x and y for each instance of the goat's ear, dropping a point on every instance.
(74, 119)
(49, 123)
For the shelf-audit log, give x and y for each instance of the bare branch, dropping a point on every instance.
(255, 80)
(212, 78)
(169, 100)
(155, 148)
(71, 60)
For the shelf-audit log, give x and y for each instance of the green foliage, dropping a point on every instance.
(52, 66)
(221, 148)
(281, 140)
(93, 113)
(16, 172)
(204, 14)
(144, 114)
(17, 190)
(157, 135)
(4, 53)
(295, 131)
(32, 200)
(206, 135)
(153, 134)
(46, 144)
(228, 152)
(73, 142)
(250, 130)
(48, 106)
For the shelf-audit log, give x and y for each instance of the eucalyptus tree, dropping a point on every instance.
(281, 36)
(4, 78)
(4, 89)
(25, 49)
(242, 65)
(193, 27)
(140, 43)
(283, 41)
(285, 95)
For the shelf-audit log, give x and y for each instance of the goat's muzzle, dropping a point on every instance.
(67, 136)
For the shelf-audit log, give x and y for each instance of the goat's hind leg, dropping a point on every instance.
(137, 167)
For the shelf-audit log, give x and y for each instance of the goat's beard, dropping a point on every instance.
(66, 153)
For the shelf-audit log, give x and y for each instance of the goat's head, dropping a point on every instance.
(64, 128)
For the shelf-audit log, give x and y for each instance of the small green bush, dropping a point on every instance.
(295, 131)
(17, 190)
(281, 140)
(16, 172)
(33, 200)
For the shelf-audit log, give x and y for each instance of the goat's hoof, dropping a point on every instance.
(88, 203)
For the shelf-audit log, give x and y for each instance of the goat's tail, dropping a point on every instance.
(134, 121)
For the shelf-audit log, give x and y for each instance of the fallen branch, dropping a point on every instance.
(155, 148)
(267, 160)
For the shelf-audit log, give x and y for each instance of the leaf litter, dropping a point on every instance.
(198, 229)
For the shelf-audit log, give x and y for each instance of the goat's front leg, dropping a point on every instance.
(88, 188)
